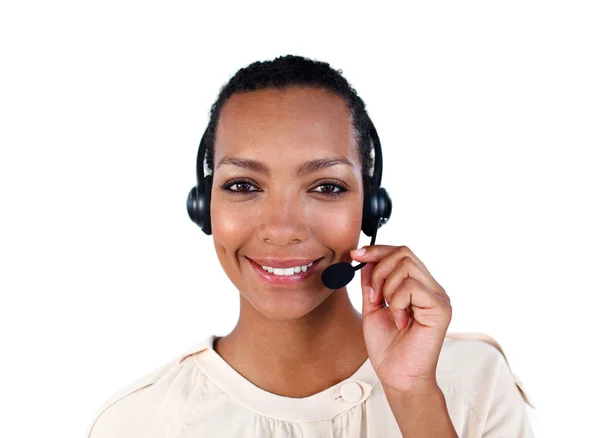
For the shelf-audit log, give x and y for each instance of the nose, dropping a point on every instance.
(283, 219)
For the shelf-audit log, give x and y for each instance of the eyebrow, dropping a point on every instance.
(304, 168)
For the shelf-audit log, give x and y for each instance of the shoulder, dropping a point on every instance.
(475, 360)
(153, 405)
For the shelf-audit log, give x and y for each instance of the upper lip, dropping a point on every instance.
(280, 263)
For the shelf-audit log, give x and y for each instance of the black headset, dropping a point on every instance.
(377, 207)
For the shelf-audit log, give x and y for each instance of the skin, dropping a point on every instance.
(295, 340)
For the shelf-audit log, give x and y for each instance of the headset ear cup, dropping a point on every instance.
(384, 205)
(368, 220)
(192, 206)
(206, 205)
(378, 205)
(198, 205)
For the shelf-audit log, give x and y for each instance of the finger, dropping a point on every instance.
(365, 283)
(426, 307)
(405, 268)
(388, 257)
(377, 252)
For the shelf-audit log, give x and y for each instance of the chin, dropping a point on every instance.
(286, 305)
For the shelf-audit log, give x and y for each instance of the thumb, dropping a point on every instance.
(365, 283)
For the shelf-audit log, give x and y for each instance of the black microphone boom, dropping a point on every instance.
(338, 275)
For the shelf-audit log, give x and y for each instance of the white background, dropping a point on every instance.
(489, 120)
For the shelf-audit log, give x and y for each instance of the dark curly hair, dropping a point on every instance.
(293, 70)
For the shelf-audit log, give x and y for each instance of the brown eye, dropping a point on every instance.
(330, 186)
(241, 186)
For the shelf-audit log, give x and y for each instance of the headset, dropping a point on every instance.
(377, 208)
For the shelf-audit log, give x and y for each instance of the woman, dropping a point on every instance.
(289, 149)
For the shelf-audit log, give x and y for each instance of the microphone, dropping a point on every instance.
(338, 275)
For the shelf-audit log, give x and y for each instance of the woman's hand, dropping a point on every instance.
(403, 340)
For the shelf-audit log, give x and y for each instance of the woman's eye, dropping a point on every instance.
(329, 189)
(241, 186)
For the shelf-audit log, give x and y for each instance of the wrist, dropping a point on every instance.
(421, 413)
(423, 391)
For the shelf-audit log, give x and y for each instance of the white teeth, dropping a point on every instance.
(287, 271)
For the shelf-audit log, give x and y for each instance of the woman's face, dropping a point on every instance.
(275, 208)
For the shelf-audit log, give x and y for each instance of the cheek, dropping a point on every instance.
(337, 228)
(230, 226)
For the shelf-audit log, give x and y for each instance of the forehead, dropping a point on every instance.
(293, 122)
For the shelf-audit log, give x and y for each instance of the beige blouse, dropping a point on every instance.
(198, 394)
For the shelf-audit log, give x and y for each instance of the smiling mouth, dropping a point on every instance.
(290, 270)
(285, 275)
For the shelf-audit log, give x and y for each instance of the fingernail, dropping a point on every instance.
(371, 295)
(359, 251)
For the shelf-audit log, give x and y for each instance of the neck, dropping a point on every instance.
(297, 357)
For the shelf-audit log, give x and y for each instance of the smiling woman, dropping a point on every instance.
(292, 143)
